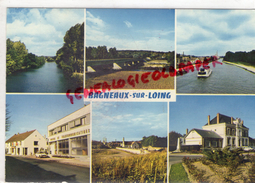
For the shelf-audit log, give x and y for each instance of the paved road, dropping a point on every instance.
(24, 169)
(178, 158)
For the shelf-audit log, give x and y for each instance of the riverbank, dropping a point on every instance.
(162, 83)
(245, 67)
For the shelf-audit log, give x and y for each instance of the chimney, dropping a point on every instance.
(218, 118)
(187, 130)
(231, 120)
(208, 119)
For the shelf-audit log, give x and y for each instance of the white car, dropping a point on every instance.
(248, 148)
(41, 155)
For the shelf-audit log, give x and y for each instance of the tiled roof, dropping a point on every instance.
(207, 134)
(20, 137)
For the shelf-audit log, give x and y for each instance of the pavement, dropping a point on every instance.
(79, 161)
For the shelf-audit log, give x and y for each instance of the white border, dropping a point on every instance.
(192, 4)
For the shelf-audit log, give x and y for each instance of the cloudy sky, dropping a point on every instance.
(192, 111)
(131, 29)
(29, 112)
(41, 30)
(132, 120)
(203, 32)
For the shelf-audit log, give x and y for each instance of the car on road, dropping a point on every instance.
(248, 148)
(41, 155)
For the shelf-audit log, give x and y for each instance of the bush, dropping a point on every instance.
(225, 157)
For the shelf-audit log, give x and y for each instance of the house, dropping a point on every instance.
(26, 143)
(219, 132)
(70, 135)
(130, 144)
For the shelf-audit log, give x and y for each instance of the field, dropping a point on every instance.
(127, 167)
(162, 83)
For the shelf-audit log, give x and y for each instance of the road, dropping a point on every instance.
(27, 170)
(178, 158)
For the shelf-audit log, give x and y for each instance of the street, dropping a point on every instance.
(177, 158)
(20, 169)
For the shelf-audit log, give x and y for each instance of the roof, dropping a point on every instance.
(20, 137)
(207, 133)
(223, 119)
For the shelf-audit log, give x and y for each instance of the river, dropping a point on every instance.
(225, 79)
(46, 79)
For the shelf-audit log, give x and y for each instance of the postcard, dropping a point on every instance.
(129, 94)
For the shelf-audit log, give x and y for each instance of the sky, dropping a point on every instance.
(29, 112)
(131, 120)
(41, 30)
(131, 29)
(204, 32)
(191, 111)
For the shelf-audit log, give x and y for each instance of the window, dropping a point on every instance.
(229, 142)
(228, 131)
(63, 147)
(35, 143)
(214, 143)
(79, 145)
(77, 122)
(233, 141)
(233, 132)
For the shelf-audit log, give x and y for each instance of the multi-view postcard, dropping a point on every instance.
(130, 95)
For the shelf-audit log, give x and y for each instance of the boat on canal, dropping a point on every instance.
(204, 72)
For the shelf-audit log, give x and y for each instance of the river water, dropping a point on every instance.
(46, 79)
(225, 79)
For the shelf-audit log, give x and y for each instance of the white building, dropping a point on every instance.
(219, 132)
(27, 143)
(71, 134)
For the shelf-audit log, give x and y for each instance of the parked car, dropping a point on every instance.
(41, 155)
(248, 148)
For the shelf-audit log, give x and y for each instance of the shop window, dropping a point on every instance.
(79, 145)
(63, 147)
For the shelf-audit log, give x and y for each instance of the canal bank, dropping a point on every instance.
(245, 67)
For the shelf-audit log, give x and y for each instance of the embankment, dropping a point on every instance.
(245, 67)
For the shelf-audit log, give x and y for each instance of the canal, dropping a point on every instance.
(225, 79)
(46, 79)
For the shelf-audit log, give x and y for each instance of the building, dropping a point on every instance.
(71, 135)
(131, 144)
(219, 132)
(27, 143)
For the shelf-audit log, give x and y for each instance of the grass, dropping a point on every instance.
(103, 152)
(141, 168)
(178, 174)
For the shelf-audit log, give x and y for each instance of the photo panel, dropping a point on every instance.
(129, 142)
(215, 51)
(47, 139)
(211, 134)
(45, 50)
(130, 48)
